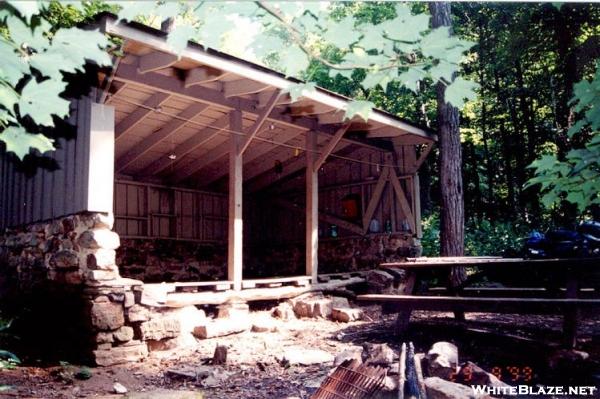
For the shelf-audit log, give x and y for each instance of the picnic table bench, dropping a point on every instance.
(565, 297)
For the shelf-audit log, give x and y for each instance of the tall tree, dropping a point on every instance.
(451, 185)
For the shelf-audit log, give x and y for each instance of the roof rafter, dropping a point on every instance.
(196, 141)
(131, 120)
(262, 116)
(243, 86)
(156, 61)
(330, 146)
(164, 132)
(203, 74)
(255, 152)
(171, 85)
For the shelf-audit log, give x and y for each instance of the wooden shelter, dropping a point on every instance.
(207, 147)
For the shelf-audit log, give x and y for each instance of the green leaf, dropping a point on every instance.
(8, 97)
(79, 45)
(27, 9)
(373, 79)
(12, 67)
(178, 38)
(576, 128)
(442, 70)
(410, 78)
(132, 9)
(20, 32)
(372, 38)
(301, 89)
(545, 163)
(359, 107)
(294, 61)
(41, 101)
(343, 33)
(459, 90)
(436, 41)
(19, 141)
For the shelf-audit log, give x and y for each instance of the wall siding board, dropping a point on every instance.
(53, 193)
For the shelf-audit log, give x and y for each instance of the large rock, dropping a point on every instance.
(107, 315)
(220, 328)
(138, 313)
(160, 328)
(284, 311)
(123, 334)
(379, 355)
(65, 259)
(264, 324)
(102, 259)
(189, 317)
(442, 360)
(132, 352)
(99, 238)
(438, 388)
(346, 315)
(380, 282)
(304, 356)
(353, 353)
(318, 306)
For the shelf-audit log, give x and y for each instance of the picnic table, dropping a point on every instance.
(578, 290)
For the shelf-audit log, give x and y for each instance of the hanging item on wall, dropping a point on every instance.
(374, 226)
(351, 207)
(333, 230)
(278, 167)
(388, 226)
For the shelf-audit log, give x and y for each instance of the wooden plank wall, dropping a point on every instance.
(82, 181)
(145, 210)
(267, 222)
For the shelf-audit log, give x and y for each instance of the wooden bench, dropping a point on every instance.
(567, 301)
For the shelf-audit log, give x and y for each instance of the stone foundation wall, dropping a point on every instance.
(158, 260)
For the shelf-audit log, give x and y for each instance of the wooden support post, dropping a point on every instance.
(235, 250)
(312, 207)
(417, 207)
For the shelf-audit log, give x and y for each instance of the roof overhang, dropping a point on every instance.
(381, 123)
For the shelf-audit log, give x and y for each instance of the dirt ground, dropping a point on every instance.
(252, 370)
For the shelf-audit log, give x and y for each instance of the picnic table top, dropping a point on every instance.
(490, 261)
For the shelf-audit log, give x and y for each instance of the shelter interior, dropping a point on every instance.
(201, 135)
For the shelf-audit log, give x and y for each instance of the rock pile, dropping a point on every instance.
(317, 305)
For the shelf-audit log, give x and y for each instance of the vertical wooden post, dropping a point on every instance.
(312, 207)
(235, 238)
(417, 207)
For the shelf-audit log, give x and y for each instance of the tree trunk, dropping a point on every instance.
(451, 185)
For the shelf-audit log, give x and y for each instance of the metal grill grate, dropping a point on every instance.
(352, 380)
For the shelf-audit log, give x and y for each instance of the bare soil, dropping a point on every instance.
(488, 340)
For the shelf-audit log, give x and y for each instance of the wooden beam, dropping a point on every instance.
(423, 156)
(242, 86)
(235, 237)
(386, 132)
(172, 85)
(263, 178)
(155, 138)
(115, 27)
(330, 146)
(131, 120)
(417, 206)
(325, 217)
(188, 146)
(331, 118)
(196, 166)
(155, 61)
(402, 200)
(310, 108)
(263, 97)
(201, 75)
(252, 131)
(375, 198)
(255, 152)
(312, 208)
